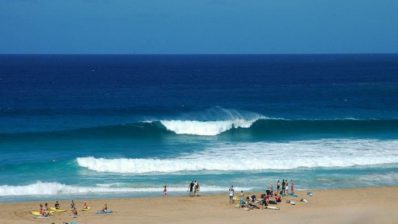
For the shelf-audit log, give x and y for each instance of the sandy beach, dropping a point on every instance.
(367, 205)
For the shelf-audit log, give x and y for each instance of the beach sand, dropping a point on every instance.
(367, 205)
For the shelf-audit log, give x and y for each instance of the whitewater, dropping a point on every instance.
(325, 153)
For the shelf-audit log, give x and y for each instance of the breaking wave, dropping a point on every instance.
(258, 156)
(55, 188)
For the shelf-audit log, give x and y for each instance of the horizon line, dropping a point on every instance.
(188, 54)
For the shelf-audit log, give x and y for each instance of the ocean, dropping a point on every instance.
(89, 126)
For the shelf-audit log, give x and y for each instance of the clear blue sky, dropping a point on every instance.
(198, 26)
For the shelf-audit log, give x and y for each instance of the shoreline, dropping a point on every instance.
(353, 205)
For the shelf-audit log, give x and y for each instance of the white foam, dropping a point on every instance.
(211, 122)
(54, 188)
(259, 156)
(205, 128)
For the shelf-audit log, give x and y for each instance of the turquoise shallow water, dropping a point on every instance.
(117, 126)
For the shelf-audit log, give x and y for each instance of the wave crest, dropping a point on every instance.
(205, 128)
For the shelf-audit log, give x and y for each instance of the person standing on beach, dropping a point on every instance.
(283, 187)
(231, 194)
(278, 186)
(292, 186)
(287, 188)
(191, 188)
(72, 205)
(195, 185)
(164, 191)
(197, 188)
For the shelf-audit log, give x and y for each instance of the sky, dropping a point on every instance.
(198, 26)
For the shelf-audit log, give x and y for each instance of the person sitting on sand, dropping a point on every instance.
(105, 208)
(249, 204)
(43, 212)
(253, 198)
(46, 206)
(278, 198)
(56, 205)
(74, 211)
(85, 205)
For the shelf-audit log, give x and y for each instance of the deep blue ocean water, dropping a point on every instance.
(119, 125)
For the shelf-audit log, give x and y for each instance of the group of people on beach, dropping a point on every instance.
(45, 211)
(284, 189)
(194, 188)
(269, 198)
